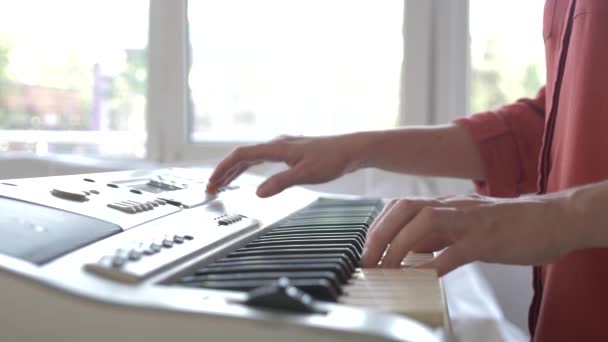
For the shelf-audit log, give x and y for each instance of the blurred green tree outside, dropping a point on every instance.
(493, 86)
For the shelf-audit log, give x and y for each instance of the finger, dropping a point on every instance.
(378, 218)
(278, 183)
(427, 222)
(227, 178)
(253, 153)
(234, 173)
(432, 243)
(450, 259)
(390, 224)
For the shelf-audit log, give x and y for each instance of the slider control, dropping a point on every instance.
(280, 295)
(71, 195)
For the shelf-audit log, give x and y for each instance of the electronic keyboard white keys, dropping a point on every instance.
(408, 291)
(146, 255)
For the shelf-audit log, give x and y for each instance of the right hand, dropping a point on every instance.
(310, 161)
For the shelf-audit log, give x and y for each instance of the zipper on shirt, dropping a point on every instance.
(545, 165)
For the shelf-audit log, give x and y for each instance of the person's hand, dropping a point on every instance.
(310, 161)
(530, 231)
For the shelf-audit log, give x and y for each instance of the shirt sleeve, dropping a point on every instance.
(509, 140)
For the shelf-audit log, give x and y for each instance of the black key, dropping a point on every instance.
(330, 209)
(312, 247)
(331, 215)
(318, 288)
(353, 258)
(339, 271)
(330, 277)
(313, 230)
(320, 233)
(284, 232)
(327, 221)
(344, 259)
(321, 267)
(292, 237)
(331, 212)
(311, 223)
(310, 241)
(237, 262)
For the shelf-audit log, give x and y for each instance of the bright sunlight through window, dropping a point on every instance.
(269, 67)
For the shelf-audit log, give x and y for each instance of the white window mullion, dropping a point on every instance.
(167, 117)
(416, 83)
(452, 69)
(436, 62)
(434, 80)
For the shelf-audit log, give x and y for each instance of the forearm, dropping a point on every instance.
(445, 151)
(588, 206)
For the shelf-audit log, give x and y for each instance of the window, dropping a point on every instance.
(186, 80)
(507, 51)
(73, 76)
(270, 67)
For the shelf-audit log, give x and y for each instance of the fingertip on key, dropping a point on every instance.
(211, 189)
(262, 192)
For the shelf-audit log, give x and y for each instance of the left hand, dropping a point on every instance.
(530, 230)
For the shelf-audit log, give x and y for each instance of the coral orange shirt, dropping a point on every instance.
(556, 141)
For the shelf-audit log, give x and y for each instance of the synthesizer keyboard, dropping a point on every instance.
(150, 256)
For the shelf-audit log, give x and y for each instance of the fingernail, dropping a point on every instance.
(363, 260)
(262, 192)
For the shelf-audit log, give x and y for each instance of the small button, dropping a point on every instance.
(173, 202)
(111, 185)
(89, 180)
(167, 243)
(94, 192)
(135, 191)
(178, 239)
(72, 195)
(133, 205)
(118, 261)
(147, 251)
(122, 207)
(161, 202)
(134, 255)
(138, 206)
(154, 247)
(188, 237)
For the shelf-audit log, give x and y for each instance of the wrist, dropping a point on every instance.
(359, 150)
(587, 217)
(569, 217)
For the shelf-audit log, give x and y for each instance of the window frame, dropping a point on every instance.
(434, 85)
(434, 81)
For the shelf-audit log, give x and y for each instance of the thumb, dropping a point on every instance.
(277, 183)
(450, 259)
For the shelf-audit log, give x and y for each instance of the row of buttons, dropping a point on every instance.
(122, 256)
(226, 220)
(73, 194)
(134, 207)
